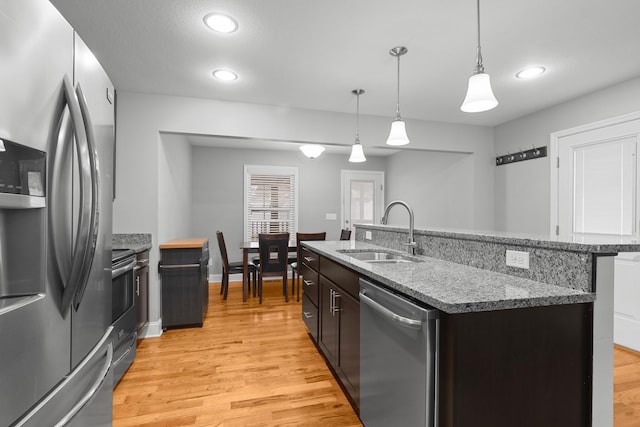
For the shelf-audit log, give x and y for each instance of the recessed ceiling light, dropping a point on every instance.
(220, 23)
(531, 72)
(225, 75)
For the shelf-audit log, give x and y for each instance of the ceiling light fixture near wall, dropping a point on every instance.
(357, 153)
(224, 75)
(479, 94)
(398, 134)
(221, 23)
(531, 72)
(312, 151)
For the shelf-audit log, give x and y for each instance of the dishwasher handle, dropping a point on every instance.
(404, 321)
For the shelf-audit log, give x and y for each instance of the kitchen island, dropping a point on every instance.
(540, 331)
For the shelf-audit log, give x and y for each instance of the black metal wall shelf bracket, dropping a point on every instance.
(533, 153)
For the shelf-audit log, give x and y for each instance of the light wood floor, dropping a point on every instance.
(254, 365)
(249, 365)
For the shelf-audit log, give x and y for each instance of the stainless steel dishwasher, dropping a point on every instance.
(398, 358)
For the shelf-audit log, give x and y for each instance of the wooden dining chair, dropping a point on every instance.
(273, 249)
(345, 234)
(301, 237)
(232, 267)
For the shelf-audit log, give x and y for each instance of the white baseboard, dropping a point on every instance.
(152, 330)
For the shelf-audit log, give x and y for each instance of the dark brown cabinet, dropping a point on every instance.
(528, 367)
(331, 311)
(184, 281)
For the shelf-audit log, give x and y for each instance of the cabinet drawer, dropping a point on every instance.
(311, 259)
(341, 275)
(310, 316)
(309, 283)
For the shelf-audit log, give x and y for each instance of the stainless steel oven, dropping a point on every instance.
(123, 311)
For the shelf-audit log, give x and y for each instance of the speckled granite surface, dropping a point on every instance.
(138, 242)
(552, 260)
(451, 287)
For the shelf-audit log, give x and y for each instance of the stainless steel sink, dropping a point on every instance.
(378, 256)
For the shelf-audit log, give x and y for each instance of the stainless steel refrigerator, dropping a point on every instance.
(56, 190)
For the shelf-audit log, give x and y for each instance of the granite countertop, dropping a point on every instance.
(451, 287)
(138, 242)
(585, 243)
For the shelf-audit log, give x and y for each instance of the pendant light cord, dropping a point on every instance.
(479, 67)
(398, 104)
(357, 116)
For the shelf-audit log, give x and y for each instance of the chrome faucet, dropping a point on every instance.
(411, 246)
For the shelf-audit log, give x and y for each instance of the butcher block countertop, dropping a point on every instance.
(195, 242)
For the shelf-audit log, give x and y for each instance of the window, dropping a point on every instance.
(270, 200)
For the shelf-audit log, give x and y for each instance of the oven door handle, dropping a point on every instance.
(124, 269)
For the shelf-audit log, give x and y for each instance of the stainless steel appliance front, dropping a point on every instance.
(55, 230)
(123, 312)
(398, 354)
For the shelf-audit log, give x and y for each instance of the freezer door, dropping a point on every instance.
(84, 398)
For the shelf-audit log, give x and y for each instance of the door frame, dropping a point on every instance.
(554, 143)
(379, 206)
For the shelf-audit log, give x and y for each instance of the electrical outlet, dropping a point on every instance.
(518, 259)
(367, 235)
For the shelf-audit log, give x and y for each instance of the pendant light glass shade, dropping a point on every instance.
(357, 152)
(398, 133)
(479, 94)
(312, 151)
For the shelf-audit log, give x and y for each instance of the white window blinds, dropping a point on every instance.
(270, 200)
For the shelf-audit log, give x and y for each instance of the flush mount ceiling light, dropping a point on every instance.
(479, 94)
(531, 72)
(357, 153)
(225, 75)
(312, 151)
(398, 134)
(220, 23)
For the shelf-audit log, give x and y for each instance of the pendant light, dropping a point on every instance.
(479, 94)
(357, 153)
(398, 134)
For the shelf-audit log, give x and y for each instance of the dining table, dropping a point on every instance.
(253, 247)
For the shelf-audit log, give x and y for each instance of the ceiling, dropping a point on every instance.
(312, 54)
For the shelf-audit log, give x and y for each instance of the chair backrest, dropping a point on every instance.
(301, 237)
(345, 234)
(274, 254)
(223, 250)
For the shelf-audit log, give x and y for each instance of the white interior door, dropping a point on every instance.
(362, 198)
(598, 188)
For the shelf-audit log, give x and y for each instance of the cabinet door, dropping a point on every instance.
(329, 320)
(349, 342)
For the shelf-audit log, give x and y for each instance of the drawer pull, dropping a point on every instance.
(308, 282)
(309, 259)
(307, 314)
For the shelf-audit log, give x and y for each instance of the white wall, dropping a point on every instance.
(522, 190)
(438, 186)
(142, 163)
(174, 188)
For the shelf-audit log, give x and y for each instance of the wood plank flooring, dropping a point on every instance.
(249, 365)
(254, 365)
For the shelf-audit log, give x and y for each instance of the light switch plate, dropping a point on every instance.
(518, 259)
(330, 216)
(367, 235)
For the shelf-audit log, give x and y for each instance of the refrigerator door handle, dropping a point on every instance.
(92, 391)
(59, 173)
(91, 210)
(72, 281)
